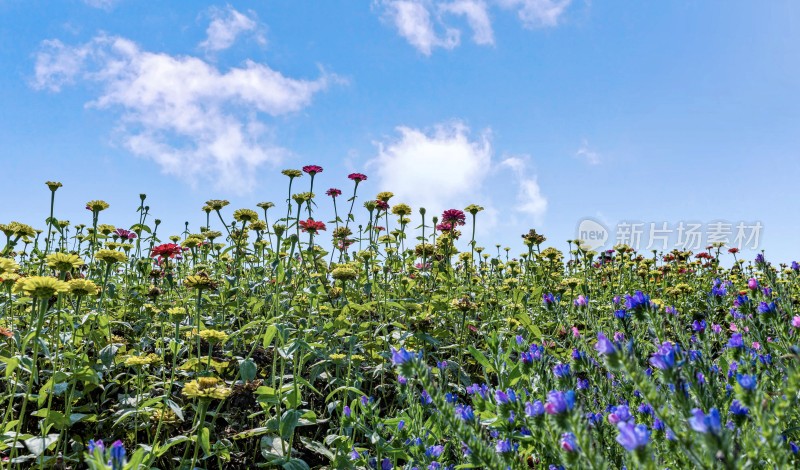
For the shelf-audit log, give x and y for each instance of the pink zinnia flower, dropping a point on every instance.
(127, 234)
(382, 205)
(796, 322)
(312, 169)
(333, 192)
(454, 217)
(756, 345)
(444, 227)
(357, 177)
(312, 226)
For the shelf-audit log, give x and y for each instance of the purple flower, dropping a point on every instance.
(465, 413)
(699, 326)
(632, 437)
(737, 409)
(549, 299)
(665, 357)
(534, 409)
(619, 414)
(747, 382)
(765, 308)
(506, 397)
(434, 451)
(559, 402)
(583, 384)
(425, 398)
(752, 283)
(386, 464)
(117, 455)
(604, 346)
(504, 446)
(569, 443)
(637, 301)
(703, 423)
(96, 445)
(736, 341)
(561, 370)
(580, 301)
(346, 411)
(400, 357)
(354, 455)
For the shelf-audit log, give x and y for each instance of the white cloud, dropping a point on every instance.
(191, 118)
(102, 4)
(425, 23)
(226, 26)
(586, 153)
(438, 169)
(477, 16)
(529, 195)
(537, 13)
(412, 18)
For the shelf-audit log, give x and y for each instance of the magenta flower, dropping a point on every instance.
(454, 217)
(333, 192)
(357, 177)
(312, 169)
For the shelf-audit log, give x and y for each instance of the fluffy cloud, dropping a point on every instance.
(477, 17)
(191, 118)
(537, 13)
(426, 24)
(413, 21)
(529, 196)
(438, 169)
(226, 26)
(449, 167)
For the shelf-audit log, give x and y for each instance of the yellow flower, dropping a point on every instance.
(292, 173)
(143, 360)
(19, 229)
(41, 286)
(401, 209)
(111, 256)
(83, 287)
(344, 273)
(199, 281)
(206, 387)
(176, 313)
(8, 265)
(164, 415)
(214, 336)
(97, 205)
(338, 356)
(64, 261)
(265, 205)
(384, 196)
(217, 204)
(53, 185)
(9, 278)
(245, 215)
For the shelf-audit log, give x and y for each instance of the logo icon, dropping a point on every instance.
(592, 234)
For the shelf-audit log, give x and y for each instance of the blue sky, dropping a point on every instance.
(543, 111)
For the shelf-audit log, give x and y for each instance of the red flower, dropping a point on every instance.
(357, 177)
(454, 217)
(166, 250)
(333, 192)
(382, 205)
(444, 227)
(312, 169)
(733, 250)
(312, 226)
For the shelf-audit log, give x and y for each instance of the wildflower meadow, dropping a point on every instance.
(386, 338)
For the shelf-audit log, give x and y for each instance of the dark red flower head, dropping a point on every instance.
(126, 234)
(454, 217)
(382, 205)
(166, 250)
(357, 177)
(312, 169)
(333, 192)
(444, 227)
(312, 226)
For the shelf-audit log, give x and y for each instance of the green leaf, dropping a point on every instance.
(205, 443)
(289, 422)
(248, 370)
(482, 360)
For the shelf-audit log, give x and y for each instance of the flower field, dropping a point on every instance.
(385, 338)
